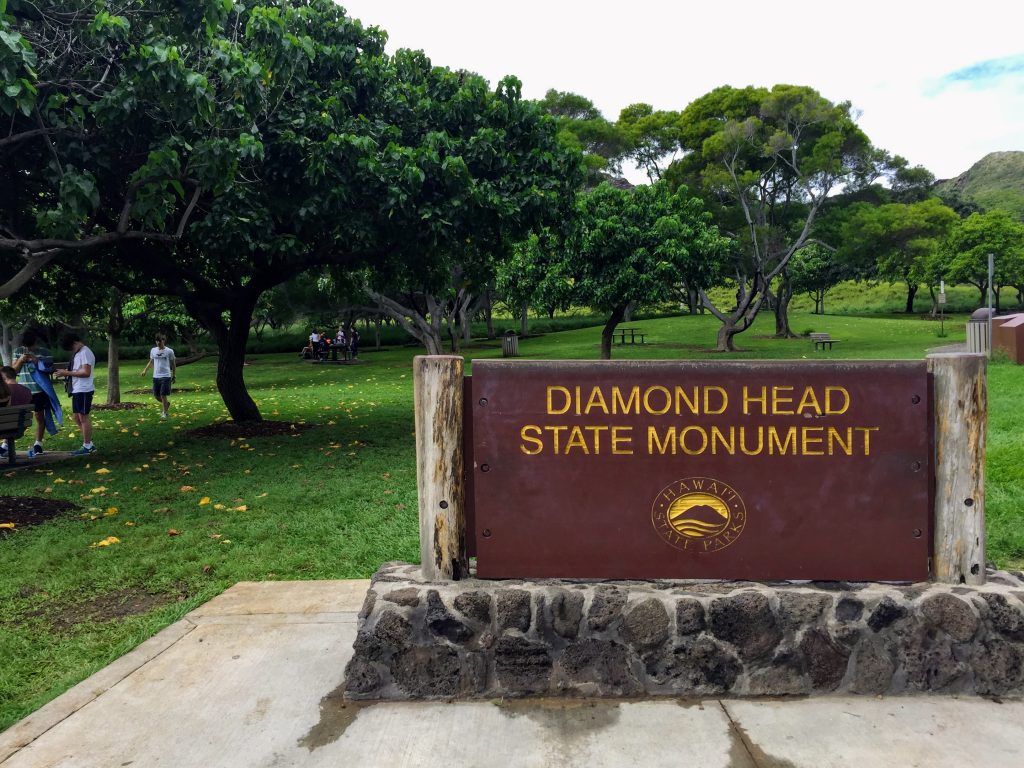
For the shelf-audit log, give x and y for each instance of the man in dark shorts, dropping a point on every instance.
(82, 387)
(165, 370)
(25, 360)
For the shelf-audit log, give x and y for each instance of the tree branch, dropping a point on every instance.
(35, 263)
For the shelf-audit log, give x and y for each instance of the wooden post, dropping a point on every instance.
(961, 412)
(437, 385)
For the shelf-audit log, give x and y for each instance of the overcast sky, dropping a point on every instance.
(941, 82)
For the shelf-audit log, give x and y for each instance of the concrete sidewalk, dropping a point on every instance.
(253, 679)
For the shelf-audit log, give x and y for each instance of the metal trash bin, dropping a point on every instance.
(977, 337)
(510, 344)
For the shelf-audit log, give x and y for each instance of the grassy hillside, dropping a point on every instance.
(995, 181)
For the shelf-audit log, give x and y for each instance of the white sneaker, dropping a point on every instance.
(163, 414)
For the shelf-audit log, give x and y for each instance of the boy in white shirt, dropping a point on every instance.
(82, 388)
(165, 368)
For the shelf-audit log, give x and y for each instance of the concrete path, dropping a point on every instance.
(253, 679)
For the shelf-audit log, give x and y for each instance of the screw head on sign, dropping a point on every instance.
(483, 401)
(487, 533)
(915, 399)
(444, 505)
(485, 467)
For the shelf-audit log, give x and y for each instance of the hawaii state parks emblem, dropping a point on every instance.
(699, 514)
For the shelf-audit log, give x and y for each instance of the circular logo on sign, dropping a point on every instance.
(699, 514)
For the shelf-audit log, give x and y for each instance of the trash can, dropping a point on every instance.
(510, 344)
(977, 331)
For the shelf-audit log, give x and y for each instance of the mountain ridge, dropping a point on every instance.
(996, 181)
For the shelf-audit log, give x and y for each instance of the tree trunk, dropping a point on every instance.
(524, 318)
(489, 314)
(230, 366)
(693, 301)
(7, 335)
(627, 316)
(784, 296)
(231, 338)
(465, 320)
(995, 296)
(911, 293)
(819, 301)
(377, 321)
(935, 302)
(115, 324)
(609, 329)
(726, 333)
(425, 328)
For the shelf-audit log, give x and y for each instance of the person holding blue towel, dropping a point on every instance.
(31, 361)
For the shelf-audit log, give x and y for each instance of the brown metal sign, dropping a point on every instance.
(752, 470)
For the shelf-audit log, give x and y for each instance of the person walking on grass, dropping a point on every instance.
(165, 369)
(82, 388)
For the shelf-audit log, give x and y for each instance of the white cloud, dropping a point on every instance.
(883, 56)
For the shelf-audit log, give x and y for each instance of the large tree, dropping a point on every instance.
(633, 245)
(246, 143)
(900, 240)
(972, 240)
(771, 157)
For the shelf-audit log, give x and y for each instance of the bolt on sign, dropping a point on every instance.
(675, 470)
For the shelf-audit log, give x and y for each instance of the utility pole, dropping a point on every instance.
(991, 274)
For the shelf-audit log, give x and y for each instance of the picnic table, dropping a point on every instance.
(619, 336)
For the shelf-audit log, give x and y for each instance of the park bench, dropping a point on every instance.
(634, 333)
(821, 339)
(14, 421)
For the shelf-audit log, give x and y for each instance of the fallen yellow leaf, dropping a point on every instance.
(102, 471)
(106, 542)
(8, 526)
(242, 508)
(218, 506)
(110, 511)
(99, 489)
(204, 500)
(186, 488)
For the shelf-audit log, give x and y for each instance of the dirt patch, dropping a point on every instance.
(26, 511)
(233, 430)
(118, 406)
(63, 617)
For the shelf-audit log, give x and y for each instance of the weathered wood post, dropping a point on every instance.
(961, 409)
(437, 391)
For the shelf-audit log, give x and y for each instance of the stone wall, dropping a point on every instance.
(477, 638)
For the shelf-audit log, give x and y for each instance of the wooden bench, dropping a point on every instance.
(821, 339)
(14, 422)
(619, 336)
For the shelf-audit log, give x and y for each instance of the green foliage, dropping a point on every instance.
(968, 247)
(814, 270)
(634, 246)
(232, 147)
(652, 136)
(582, 128)
(901, 240)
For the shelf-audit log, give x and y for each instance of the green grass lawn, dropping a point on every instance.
(194, 515)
